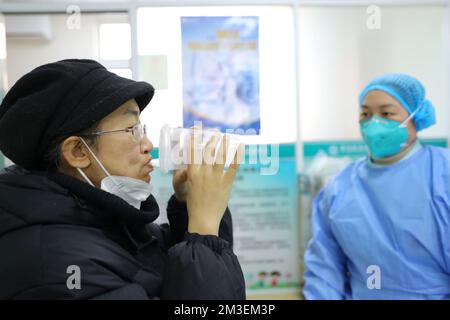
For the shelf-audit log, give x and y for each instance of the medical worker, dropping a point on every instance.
(381, 227)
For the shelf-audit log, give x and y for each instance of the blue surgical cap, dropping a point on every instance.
(409, 92)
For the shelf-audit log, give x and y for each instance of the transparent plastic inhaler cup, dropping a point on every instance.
(174, 144)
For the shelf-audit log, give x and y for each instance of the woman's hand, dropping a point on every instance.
(208, 185)
(179, 180)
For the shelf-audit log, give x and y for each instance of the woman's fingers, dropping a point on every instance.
(209, 154)
(237, 160)
(214, 153)
(180, 175)
(194, 149)
(222, 153)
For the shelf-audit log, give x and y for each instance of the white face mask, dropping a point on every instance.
(131, 190)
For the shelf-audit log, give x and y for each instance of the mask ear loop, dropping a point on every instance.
(403, 124)
(98, 161)
(85, 177)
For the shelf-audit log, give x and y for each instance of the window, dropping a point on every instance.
(115, 48)
(115, 41)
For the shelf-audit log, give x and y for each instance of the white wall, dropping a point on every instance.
(339, 55)
(276, 57)
(25, 54)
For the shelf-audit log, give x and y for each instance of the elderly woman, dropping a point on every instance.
(76, 210)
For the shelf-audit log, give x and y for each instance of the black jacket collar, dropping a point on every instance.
(51, 197)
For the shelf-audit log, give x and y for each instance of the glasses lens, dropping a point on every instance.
(137, 132)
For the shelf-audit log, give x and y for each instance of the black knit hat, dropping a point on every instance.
(59, 99)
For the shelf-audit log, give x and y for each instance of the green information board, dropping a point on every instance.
(352, 149)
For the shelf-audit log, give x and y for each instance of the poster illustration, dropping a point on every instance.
(221, 72)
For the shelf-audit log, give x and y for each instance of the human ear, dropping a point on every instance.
(74, 153)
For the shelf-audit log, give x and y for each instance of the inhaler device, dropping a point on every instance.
(174, 144)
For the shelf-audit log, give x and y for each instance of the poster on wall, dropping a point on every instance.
(220, 61)
(265, 222)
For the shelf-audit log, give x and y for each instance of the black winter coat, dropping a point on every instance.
(51, 223)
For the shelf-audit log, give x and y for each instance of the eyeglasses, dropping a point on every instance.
(138, 131)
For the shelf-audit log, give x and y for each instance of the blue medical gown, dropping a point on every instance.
(396, 217)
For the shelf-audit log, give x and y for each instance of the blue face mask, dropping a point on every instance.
(385, 137)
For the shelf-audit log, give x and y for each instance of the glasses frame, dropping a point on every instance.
(131, 129)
